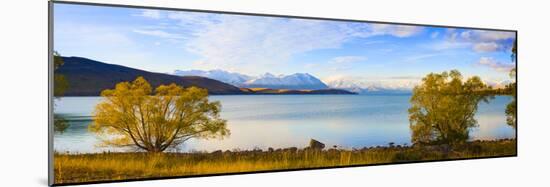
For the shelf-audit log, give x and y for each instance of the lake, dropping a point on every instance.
(279, 121)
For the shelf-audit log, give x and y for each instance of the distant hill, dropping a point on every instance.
(89, 77)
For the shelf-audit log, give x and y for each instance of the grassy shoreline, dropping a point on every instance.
(73, 168)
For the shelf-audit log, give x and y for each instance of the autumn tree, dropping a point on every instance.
(443, 108)
(511, 108)
(132, 114)
(60, 84)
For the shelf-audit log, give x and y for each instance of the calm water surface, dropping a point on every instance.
(278, 121)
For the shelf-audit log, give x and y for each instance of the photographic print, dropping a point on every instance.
(149, 93)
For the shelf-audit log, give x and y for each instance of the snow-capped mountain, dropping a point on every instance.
(294, 81)
(220, 75)
(498, 84)
(378, 86)
(395, 85)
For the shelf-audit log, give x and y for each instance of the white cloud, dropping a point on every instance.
(374, 42)
(434, 35)
(344, 62)
(482, 40)
(498, 66)
(254, 44)
(445, 45)
(347, 59)
(158, 33)
(375, 29)
(486, 36)
(80, 39)
(194, 19)
(422, 56)
(396, 30)
(153, 14)
(486, 47)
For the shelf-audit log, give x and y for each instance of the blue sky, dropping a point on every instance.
(164, 41)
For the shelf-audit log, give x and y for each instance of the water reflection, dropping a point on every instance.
(264, 121)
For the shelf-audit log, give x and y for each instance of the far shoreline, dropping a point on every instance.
(235, 150)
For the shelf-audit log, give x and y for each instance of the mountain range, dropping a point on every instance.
(305, 81)
(498, 84)
(395, 85)
(293, 81)
(382, 86)
(300, 81)
(220, 75)
(88, 77)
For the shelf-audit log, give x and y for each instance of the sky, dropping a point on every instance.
(164, 41)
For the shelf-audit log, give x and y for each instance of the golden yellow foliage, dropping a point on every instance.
(133, 115)
(258, 89)
(443, 108)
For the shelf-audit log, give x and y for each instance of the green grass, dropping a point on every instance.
(72, 168)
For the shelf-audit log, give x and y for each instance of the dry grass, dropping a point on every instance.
(71, 168)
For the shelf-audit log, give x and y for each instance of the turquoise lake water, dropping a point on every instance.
(278, 121)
